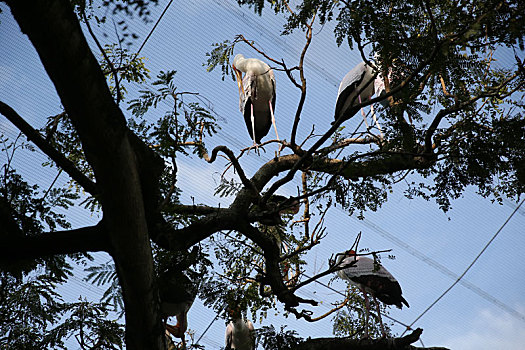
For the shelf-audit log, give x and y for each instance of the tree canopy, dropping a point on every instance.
(449, 115)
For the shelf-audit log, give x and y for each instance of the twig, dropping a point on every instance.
(329, 312)
(250, 43)
(110, 64)
(246, 182)
(303, 82)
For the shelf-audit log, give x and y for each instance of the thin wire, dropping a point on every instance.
(441, 268)
(468, 268)
(207, 328)
(152, 29)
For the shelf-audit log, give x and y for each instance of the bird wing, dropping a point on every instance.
(228, 337)
(386, 290)
(364, 266)
(348, 88)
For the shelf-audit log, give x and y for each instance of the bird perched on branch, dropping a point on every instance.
(370, 277)
(290, 206)
(177, 293)
(357, 86)
(256, 95)
(240, 334)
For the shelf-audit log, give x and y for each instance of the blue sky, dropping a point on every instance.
(423, 235)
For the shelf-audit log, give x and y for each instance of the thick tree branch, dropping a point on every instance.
(272, 276)
(14, 247)
(222, 219)
(191, 209)
(226, 219)
(363, 344)
(35, 137)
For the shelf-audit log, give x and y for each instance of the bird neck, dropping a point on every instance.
(239, 323)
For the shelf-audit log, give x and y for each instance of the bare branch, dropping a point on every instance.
(353, 140)
(306, 213)
(251, 44)
(303, 83)
(338, 307)
(110, 64)
(35, 137)
(246, 182)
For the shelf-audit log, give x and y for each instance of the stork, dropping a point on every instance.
(240, 334)
(291, 207)
(177, 293)
(370, 277)
(357, 86)
(256, 95)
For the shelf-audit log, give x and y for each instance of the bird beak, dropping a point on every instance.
(238, 76)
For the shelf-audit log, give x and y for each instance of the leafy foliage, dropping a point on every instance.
(220, 56)
(183, 126)
(26, 310)
(350, 321)
(90, 321)
(270, 339)
(128, 66)
(452, 115)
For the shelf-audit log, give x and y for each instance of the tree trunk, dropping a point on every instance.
(55, 33)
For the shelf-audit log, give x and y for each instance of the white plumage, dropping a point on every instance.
(357, 86)
(256, 95)
(240, 335)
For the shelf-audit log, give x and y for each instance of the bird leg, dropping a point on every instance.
(363, 113)
(253, 130)
(379, 316)
(375, 120)
(273, 119)
(367, 307)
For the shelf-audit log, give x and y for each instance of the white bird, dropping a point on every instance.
(357, 86)
(256, 95)
(240, 334)
(372, 278)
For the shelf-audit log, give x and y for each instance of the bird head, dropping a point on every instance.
(340, 256)
(350, 252)
(238, 72)
(234, 313)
